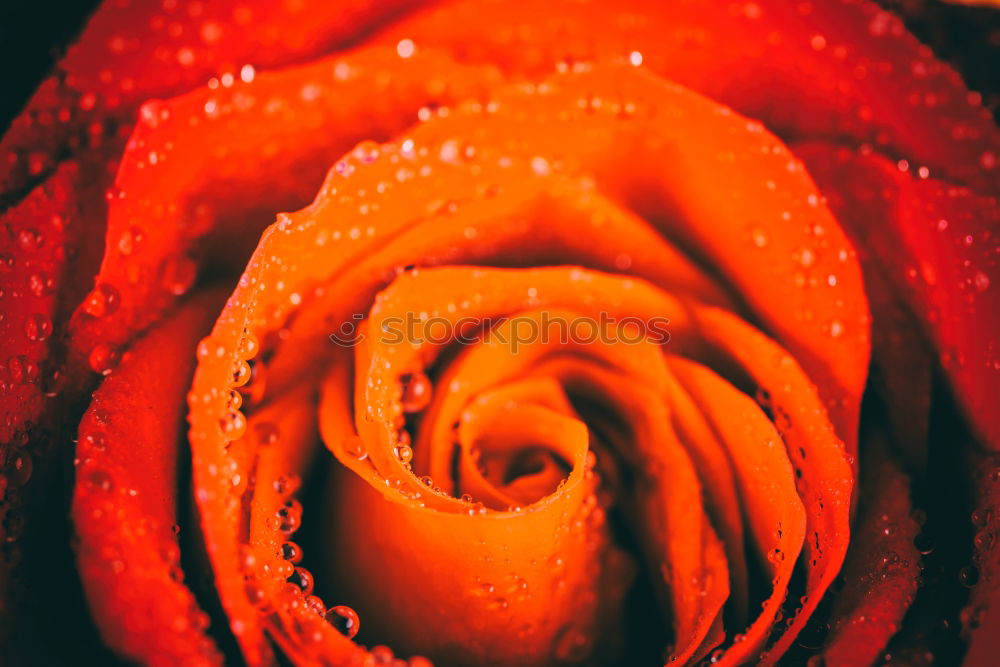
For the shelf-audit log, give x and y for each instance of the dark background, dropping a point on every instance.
(33, 34)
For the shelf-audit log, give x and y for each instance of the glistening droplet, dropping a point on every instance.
(345, 620)
(417, 390)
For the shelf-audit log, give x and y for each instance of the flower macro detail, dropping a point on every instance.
(487, 332)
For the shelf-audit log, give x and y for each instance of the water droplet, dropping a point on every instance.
(924, 543)
(404, 453)
(984, 540)
(41, 283)
(178, 274)
(286, 484)
(405, 48)
(571, 646)
(235, 400)
(19, 469)
(249, 346)
(30, 239)
(233, 425)
(241, 373)
(254, 389)
(289, 517)
(316, 606)
(366, 152)
(37, 327)
(310, 92)
(345, 620)
(417, 391)
(256, 594)
(21, 369)
(355, 446)
(498, 604)
(103, 358)
(291, 552)
(267, 433)
(302, 578)
(383, 655)
(99, 480)
(96, 440)
(102, 300)
(968, 576)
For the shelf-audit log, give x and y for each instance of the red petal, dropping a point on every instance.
(938, 245)
(839, 68)
(132, 51)
(125, 499)
(882, 565)
(981, 617)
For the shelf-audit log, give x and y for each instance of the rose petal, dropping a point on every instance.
(844, 69)
(981, 617)
(936, 242)
(130, 52)
(125, 499)
(882, 565)
(274, 136)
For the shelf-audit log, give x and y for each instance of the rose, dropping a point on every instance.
(529, 170)
(99, 491)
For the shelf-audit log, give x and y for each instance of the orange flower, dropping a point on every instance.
(564, 363)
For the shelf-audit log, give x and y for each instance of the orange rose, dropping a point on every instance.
(563, 364)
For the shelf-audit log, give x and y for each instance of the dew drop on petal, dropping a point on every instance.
(571, 645)
(102, 300)
(417, 392)
(37, 327)
(291, 552)
(404, 453)
(19, 468)
(405, 48)
(968, 576)
(355, 446)
(303, 579)
(345, 620)
(540, 165)
(267, 433)
(179, 274)
(233, 425)
(103, 358)
(99, 480)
